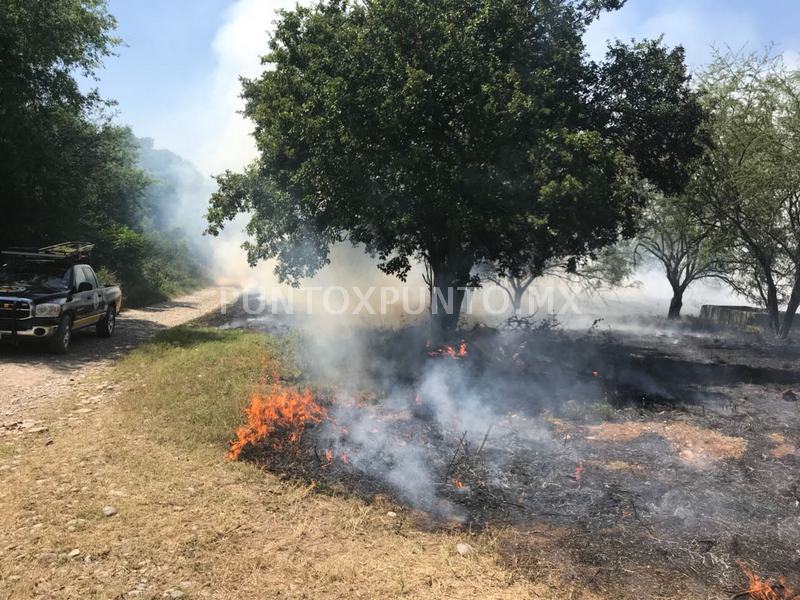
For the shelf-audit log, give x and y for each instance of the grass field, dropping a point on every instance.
(191, 523)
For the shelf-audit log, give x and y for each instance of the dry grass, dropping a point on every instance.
(189, 521)
(783, 447)
(694, 445)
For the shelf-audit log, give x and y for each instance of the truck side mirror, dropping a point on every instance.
(85, 286)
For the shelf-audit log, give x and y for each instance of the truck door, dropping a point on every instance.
(99, 303)
(85, 301)
(79, 299)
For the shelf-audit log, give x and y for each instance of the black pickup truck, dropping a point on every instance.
(51, 292)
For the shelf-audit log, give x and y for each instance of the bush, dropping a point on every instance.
(150, 267)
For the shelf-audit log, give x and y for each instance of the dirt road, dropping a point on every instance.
(29, 375)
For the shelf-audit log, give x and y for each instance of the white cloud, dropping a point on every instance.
(697, 28)
(792, 59)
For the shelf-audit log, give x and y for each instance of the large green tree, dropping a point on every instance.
(61, 163)
(455, 133)
(750, 181)
(66, 170)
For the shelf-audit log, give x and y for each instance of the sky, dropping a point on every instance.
(176, 79)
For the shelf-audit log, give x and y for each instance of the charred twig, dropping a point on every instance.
(512, 503)
(485, 437)
(633, 509)
(453, 460)
(316, 454)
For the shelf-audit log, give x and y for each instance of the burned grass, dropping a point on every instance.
(687, 475)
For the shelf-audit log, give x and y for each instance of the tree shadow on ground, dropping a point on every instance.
(86, 348)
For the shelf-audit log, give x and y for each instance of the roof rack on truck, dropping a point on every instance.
(66, 251)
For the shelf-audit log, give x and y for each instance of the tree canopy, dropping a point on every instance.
(69, 172)
(455, 133)
(749, 186)
(58, 159)
(685, 247)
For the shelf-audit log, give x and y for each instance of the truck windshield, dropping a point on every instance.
(27, 275)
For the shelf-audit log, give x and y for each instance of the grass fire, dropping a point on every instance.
(450, 351)
(760, 589)
(276, 419)
(661, 456)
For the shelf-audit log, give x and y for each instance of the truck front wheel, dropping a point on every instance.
(59, 343)
(106, 325)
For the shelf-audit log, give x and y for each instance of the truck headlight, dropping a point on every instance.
(48, 310)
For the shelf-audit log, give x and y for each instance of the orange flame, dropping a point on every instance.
(578, 473)
(450, 351)
(278, 416)
(761, 589)
(328, 456)
(457, 482)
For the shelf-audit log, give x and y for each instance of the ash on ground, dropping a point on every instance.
(645, 462)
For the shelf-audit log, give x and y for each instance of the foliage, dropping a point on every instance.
(152, 266)
(173, 261)
(68, 172)
(175, 191)
(43, 43)
(605, 269)
(750, 180)
(648, 106)
(453, 133)
(56, 155)
(107, 276)
(153, 259)
(687, 249)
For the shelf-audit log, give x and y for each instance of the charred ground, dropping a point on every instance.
(654, 462)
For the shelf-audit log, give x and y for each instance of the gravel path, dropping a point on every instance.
(29, 375)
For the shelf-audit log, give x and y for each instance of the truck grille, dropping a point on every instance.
(11, 325)
(15, 309)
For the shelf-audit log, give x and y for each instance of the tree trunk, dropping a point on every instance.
(773, 310)
(791, 308)
(446, 299)
(516, 300)
(676, 304)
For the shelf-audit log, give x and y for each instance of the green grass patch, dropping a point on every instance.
(587, 411)
(189, 385)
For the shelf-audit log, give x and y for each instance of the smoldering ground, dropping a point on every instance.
(674, 448)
